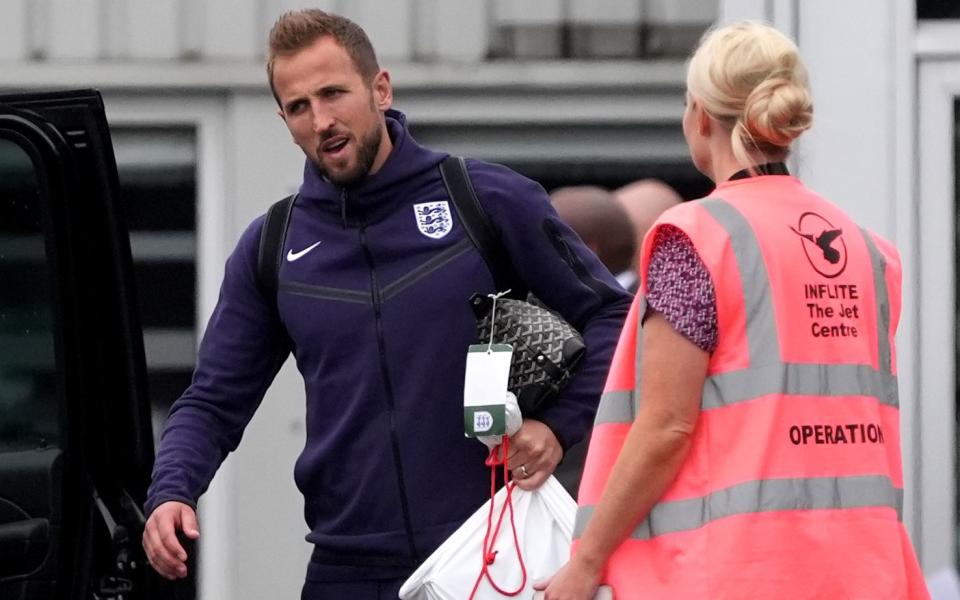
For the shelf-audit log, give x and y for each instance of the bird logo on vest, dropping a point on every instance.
(433, 218)
(822, 243)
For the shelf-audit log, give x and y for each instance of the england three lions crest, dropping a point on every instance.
(433, 218)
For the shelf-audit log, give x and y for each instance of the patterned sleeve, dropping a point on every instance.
(679, 287)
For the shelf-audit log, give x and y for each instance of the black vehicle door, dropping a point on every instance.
(76, 446)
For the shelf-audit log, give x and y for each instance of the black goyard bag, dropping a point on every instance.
(546, 349)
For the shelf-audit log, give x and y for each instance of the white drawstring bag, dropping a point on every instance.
(544, 522)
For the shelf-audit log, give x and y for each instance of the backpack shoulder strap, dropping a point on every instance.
(272, 238)
(477, 224)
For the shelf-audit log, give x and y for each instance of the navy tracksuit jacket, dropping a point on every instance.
(377, 316)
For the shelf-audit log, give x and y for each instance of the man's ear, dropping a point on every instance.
(382, 90)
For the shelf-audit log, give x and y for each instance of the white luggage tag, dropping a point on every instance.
(485, 385)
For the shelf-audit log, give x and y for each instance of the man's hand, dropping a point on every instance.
(160, 542)
(534, 454)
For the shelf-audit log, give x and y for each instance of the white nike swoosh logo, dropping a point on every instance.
(292, 256)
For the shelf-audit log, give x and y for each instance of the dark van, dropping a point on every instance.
(76, 446)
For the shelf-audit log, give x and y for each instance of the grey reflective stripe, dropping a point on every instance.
(622, 406)
(821, 493)
(883, 301)
(883, 307)
(798, 379)
(758, 301)
(790, 379)
(617, 407)
(638, 351)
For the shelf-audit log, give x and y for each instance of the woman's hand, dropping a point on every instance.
(574, 581)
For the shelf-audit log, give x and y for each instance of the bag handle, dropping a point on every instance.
(460, 189)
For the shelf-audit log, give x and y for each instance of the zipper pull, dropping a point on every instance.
(343, 206)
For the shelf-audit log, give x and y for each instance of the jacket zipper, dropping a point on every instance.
(388, 384)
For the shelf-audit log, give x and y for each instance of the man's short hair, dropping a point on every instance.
(298, 29)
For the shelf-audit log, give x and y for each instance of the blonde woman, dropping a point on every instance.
(753, 451)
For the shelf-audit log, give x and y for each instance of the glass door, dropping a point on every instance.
(937, 319)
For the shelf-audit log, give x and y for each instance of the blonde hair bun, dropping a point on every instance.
(777, 111)
(750, 77)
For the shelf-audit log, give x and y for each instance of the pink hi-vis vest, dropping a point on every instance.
(793, 486)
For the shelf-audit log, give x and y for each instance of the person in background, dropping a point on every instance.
(756, 454)
(603, 225)
(373, 303)
(644, 201)
(601, 222)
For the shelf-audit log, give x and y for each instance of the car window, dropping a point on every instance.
(29, 411)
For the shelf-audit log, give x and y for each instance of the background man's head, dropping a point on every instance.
(644, 201)
(596, 216)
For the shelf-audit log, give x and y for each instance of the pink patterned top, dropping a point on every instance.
(679, 287)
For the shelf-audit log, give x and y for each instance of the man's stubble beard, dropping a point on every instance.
(367, 149)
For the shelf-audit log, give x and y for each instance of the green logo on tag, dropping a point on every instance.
(490, 419)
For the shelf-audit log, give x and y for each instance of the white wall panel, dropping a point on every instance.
(677, 12)
(388, 25)
(14, 28)
(605, 28)
(270, 10)
(737, 10)
(230, 29)
(115, 34)
(533, 27)
(74, 29)
(190, 21)
(606, 11)
(785, 16)
(327, 5)
(38, 27)
(852, 82)
(153, 28)
(457, 30)
(528, 12)
(276, 7)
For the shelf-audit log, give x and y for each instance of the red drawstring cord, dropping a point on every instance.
(489, 555)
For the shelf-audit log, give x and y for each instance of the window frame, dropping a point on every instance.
(937, 92)
(207, 113)
(56, 273)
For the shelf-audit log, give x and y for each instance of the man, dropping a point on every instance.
(645, 200)
(604, 226)
(373, 304)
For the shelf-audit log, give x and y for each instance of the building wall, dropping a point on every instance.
(465, 31)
